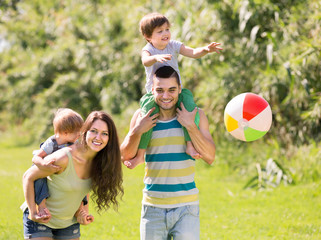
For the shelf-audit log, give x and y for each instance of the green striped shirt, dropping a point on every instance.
(169, 173)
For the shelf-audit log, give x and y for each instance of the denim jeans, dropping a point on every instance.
(180, 223)
(33, 229)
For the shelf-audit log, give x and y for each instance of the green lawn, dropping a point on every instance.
(227, 211)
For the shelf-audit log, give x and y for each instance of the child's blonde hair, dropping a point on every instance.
(67, 120)
(150, 21)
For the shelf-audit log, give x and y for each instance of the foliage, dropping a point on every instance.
(270, 176)
(86, 55)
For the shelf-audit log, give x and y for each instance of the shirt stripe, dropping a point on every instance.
(170, 187)
(164, 157)
(170, 173)
(179, 140)
(167, 125)
(169, 202)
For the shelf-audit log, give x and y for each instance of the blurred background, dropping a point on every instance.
(85, 55)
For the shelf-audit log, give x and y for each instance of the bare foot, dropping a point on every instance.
(43, 211)
(132, 163)
(190, 150)
(137, 160)
(44, 218)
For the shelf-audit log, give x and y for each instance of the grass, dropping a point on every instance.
(227, 211)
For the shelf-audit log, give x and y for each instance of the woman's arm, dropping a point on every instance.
(82, 215)
(33, 173)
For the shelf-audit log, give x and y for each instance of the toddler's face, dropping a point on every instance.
(160, 37)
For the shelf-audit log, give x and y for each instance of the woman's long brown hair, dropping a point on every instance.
(106, 170)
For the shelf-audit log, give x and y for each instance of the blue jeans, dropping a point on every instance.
(33, 229)
(180, 223)
(41, 190)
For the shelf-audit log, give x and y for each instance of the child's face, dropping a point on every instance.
(160, 36)
(71, 137)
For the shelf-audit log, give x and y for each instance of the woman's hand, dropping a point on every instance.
(83, 217)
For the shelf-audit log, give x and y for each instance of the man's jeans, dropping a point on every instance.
(180, 223)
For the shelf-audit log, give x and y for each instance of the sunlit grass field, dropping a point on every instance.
(227, 211)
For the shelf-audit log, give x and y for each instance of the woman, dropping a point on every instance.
(93, 163)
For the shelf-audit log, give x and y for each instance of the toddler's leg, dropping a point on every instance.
(186, 97)
(137, 160)
(190, 150)
(147, 102)
(41, 190)
(41, 194)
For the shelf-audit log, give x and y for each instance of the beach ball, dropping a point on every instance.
(248, 117)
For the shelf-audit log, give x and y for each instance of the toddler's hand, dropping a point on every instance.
(212, 47)
(163, 57)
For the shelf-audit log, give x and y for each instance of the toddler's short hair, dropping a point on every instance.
(67, 120)
(150, 21)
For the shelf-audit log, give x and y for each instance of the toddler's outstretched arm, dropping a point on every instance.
(201, 51)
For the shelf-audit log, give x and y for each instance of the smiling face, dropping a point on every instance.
(160, 36)
(97, 136)
(166, 91)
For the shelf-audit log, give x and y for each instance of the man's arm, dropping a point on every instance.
(201, 138)
(138, 126)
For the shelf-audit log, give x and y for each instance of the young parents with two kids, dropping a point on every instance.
(169, 131)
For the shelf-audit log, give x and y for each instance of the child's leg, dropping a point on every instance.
(41, 190)
(137, 160)
(41, 194)
(186, 97)
(147, 102)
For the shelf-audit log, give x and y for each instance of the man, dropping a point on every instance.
(170, 198)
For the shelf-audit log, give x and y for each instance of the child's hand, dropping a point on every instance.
(50, 166)
(162, 57)
(212, 47)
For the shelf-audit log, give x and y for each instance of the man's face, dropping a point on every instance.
(166, 91)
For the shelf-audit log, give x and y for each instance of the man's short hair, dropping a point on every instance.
(167, 72)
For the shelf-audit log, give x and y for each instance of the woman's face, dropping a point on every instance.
(97, 136)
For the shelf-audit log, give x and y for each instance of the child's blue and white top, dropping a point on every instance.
(173, 48)
(169, 172)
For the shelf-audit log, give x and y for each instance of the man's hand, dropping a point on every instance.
(186, 118)
(145, 123)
